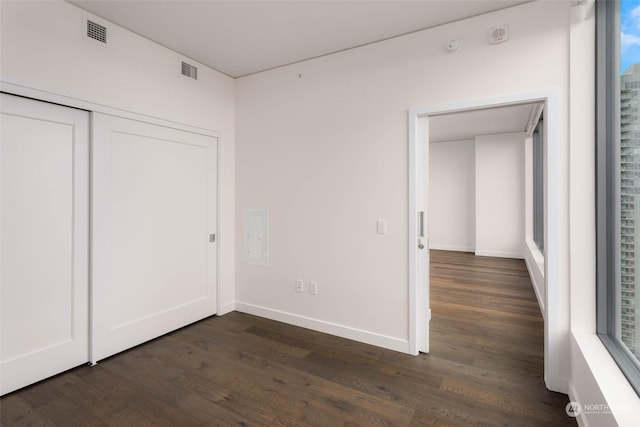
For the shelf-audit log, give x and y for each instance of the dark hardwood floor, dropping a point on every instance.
(485, 368)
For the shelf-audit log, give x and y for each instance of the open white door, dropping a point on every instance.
(154, 224)
(420, 309)
(420, 314)
(44, 239)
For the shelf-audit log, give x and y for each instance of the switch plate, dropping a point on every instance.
(299, 286)
(382, 226)
(313, 288)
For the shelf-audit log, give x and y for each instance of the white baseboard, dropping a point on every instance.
(445, 247)
(326, 327)
(535, 265)
(500, 254)
(575, 397)
(227, 307)
(536, 287)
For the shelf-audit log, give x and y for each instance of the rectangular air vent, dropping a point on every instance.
(96, 31)
(189, 71)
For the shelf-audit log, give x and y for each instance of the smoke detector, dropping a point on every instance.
(499, 34)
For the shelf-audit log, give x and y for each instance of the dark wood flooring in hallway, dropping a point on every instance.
(485, 368)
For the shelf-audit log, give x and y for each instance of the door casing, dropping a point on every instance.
(419, 305)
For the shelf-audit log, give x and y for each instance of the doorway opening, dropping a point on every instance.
(423, 127)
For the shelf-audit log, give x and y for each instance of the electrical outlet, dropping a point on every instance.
(313, 288)
(299, 286)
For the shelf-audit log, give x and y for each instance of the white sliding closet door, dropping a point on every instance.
(44, 239)
(154, 217)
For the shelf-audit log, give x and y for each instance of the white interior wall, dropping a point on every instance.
(476, 199)
(500, 214)
(43, 48)
(326, 154)
(451, 204)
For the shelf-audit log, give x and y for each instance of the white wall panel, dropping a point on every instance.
(327, 154)
(500, 195)
(452, 195)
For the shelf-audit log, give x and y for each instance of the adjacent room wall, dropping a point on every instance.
(452, 195)
(43, 47)
(323, 146)
(477, 195)
(500, 195)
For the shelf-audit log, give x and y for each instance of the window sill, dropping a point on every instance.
(535, 264)
(603, 392)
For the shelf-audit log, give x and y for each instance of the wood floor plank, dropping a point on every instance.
(266, 375)
(485, 367)
(15, 411)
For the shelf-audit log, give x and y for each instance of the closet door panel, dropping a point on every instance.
(154, 210)
(43, 240)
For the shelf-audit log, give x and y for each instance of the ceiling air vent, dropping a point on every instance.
(189, 71)
(96, 31)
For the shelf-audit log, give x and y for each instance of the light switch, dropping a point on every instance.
(382, 226)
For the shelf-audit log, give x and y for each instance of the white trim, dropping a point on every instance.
(501, 254)
(413, 232)
(554, 378)
(360, 335)
(99, 108)
(534, 259)
(219, 238)
(534, 117)
(622, 401)
(418, 265)
(225, 308)
(439, 247)
(575, 397)
(536, 288)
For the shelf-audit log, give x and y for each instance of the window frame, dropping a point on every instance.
(608, 223)
(538, 184)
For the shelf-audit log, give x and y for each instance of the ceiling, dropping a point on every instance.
(244, 37)
(469, 124)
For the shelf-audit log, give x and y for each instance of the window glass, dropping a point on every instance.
(618, 181)
(538, 186)
(630, 175)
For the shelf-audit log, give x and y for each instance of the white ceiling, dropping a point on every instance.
(243, 37)
(469, 124)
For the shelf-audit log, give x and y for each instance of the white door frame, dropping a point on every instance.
(419, 305)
